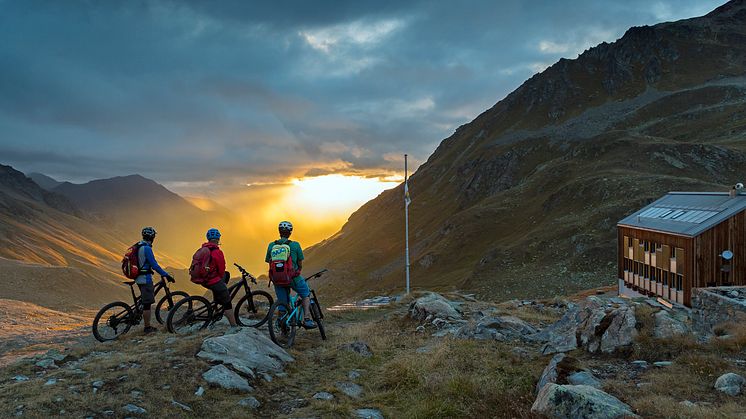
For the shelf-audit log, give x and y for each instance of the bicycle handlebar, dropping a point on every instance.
(245, 273)
(317, 274)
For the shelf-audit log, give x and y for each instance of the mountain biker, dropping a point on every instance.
(298, 283)
(218, 279)
(144, 281)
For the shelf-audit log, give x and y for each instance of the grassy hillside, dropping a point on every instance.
(523, 201)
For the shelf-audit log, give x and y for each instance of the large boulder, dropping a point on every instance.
(221, 376)
(668, 326)
(248, 351)
(433, 306)
(558, 371)
(730, 384)
(596, 326)
(567, 401)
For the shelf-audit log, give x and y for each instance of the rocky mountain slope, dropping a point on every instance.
(523, 200)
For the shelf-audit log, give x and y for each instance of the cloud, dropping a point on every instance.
(211, 95)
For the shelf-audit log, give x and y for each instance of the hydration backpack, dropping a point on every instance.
(200, 269)
(281, 270)
(130, 262)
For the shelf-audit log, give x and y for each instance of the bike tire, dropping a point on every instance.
(123, 316)
(160, 317)
(317, 316)
(189, 314)
(281, 329)
(253, 309)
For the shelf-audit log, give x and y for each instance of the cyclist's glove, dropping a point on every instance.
(170, 278)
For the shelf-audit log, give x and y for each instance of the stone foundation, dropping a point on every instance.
(717, 305)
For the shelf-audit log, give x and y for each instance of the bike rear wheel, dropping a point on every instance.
(189, 315)
(317, 316)
(253, 309)
(282, 326)
(164, 306)
(112, 321)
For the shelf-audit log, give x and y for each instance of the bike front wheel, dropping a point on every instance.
(165, 305)
(281, 324)
(112, 321)
(189, 315)
(253, 309)
(316, 315)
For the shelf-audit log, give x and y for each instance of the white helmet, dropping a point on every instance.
(285, 226)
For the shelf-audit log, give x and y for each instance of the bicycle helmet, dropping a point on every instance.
(213, 234)
(285, 226)
(148, 233)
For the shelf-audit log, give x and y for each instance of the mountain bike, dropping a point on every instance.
(116, 319)
(197, 312)
(285, 318)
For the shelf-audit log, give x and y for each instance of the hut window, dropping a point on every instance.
(665, 277)
(673, 252)
(629, 241)
(679, 282)
(646, 245)
(652, 275)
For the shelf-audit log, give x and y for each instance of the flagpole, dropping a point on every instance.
(406, 218)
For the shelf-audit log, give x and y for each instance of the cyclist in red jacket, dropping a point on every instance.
(218, 281)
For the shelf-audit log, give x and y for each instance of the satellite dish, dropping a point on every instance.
(727, 255)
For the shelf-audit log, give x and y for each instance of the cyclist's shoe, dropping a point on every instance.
(309, 324)
(150, 329)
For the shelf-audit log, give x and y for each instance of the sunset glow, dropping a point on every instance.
(339, 191)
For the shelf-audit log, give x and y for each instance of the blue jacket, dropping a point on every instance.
(147, 263)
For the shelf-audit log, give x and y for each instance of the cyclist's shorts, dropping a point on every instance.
(298, 284)
(220, 293)
(147, 293)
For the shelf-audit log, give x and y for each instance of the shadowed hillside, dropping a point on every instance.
(523, 200)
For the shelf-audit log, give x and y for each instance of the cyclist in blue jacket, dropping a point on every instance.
(148, 264)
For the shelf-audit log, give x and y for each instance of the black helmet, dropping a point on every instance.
(285, 226)
(148, 233)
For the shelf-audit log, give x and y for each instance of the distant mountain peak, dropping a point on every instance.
(729, 9)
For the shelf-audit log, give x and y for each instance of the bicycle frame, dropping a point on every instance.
(295, 302)
(158, 287)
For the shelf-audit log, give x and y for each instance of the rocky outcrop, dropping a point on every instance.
(730, 384)
(433, 306)
(221, 376)
(248, 351)
(596, 325)
(668, 326)
(568, 401)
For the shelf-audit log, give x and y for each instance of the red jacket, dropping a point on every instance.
(217, 264)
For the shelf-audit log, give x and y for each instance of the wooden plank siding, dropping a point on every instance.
(697, 259)
(728, 235)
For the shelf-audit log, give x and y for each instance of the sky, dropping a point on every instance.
(209, 97)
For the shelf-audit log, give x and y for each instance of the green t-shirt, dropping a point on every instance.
(295, 251)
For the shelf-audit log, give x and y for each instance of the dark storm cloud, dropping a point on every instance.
(192, 91)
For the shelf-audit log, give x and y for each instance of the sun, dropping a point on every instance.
(338, 192)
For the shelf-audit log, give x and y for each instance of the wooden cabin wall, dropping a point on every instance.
(728, 235)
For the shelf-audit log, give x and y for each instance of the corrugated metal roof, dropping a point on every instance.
(687, 213)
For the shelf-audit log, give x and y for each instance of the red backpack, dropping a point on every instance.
(200, 269)
(130, 262)
(281, 270)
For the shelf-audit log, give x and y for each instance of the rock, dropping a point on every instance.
(662, 364)
(733, 294)
(666, 326)
(687, 403)
(351, 389)
(50, 382)
(131, 408)
(358, 347)
(420, 329)
(354, 374)
(170, 340)
(549, 375)
(97, 384)
(221, 376)
(46, 363)
(433, 305)
(640, 364)
(250, 402)
(424, 349)
(568, 401)
(730, 384)
(200, 391)
(368, 414)
(584, 378)
(181, 406)
(136, 394)
(55, 355)
(507, 325)
(289, 405)
(247, 351)
(20, 377)
(323, 395)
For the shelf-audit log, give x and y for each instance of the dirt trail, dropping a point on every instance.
(27, 329)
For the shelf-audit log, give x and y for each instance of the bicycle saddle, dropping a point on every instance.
(130, 283)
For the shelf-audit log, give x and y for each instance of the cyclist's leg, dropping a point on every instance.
(222, 296)
(283, 294)
(147, 295)
(301, 287)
